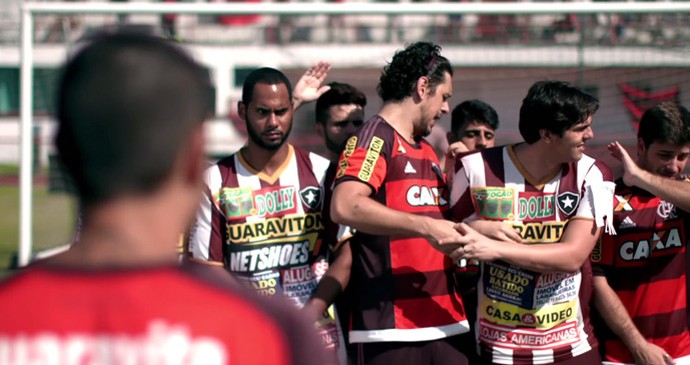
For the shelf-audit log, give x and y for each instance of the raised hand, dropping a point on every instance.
(308, 88)
(631, 171)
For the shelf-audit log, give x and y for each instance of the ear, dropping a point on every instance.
(546, 135)
(641, 149)
(318, 128)
(422, 86)
(242, 110)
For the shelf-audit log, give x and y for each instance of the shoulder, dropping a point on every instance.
(591, 167)
(312, 161)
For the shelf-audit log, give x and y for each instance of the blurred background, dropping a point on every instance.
(628, 61)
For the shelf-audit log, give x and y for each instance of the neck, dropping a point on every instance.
(132, 231)
(263, 160)
(537, 160)
(401, 116)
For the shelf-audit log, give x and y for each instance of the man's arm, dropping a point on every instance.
(352, 206)
(674, 191)
(616, 316)
(332, 284)
(567, 255)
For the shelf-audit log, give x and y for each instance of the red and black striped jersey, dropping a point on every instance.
(267, 230)
(527, 317)
(646, 265)
(402, 287)
(155, 315)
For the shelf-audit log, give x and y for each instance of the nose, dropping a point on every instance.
(589, 133)
(481, 141)
(445, 108)
(272, 120)
(676, 166)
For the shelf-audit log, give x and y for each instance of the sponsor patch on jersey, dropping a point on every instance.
(494, 202)
(270, 228)
(535, 206)
(638, 247)
(622, 203)
(508, 284)
(266, 202)
(540, 232)
(528, 338)
(311, 197)
(540, 317)
(277, 255)
(370, 159)
(265, 284)
(347, 152)
(567, 202)
(422, 195)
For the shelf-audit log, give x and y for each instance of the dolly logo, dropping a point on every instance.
(567, 202)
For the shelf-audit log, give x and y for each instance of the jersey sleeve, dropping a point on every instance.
(461, 206)
(205, 239)
(597, 201)
(364, 160)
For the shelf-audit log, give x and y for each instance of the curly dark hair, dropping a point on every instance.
(399, 77)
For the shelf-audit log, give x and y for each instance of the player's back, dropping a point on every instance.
(156, 315)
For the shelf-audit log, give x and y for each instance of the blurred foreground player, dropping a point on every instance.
(130, 112)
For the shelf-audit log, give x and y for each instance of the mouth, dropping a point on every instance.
(273, 134)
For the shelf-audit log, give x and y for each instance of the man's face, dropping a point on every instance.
(477, 136)
(435, 106)
(343, 120)
(268, 116)
(572, 145)
(662, 158)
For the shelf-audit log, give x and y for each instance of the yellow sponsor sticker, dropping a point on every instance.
(349, 149)
(540, 232)
(544, 317)
(370, 159)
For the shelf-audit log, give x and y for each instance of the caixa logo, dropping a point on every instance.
(421, 195)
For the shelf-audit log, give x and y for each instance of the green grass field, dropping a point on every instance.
(53, 221)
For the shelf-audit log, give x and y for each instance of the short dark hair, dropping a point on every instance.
(555, 106)
(473, 111)
(399, 78)
(667, 122)
(126, 105)
(339, 94)
(264, 75)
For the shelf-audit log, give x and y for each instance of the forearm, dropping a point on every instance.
(369, 216)
(674, 191)
(615, 315)
(549, 257)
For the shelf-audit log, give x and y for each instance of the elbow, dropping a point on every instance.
(339, 213)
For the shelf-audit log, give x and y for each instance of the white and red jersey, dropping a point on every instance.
(526, 317)
(402, 288)
(267, 230)
(155, 315)
(646, 264)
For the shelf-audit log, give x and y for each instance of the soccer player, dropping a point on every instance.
(390, 188)
(533, 297)
(473, 127)
(261, 214)
(130, 110)
(640, 285)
